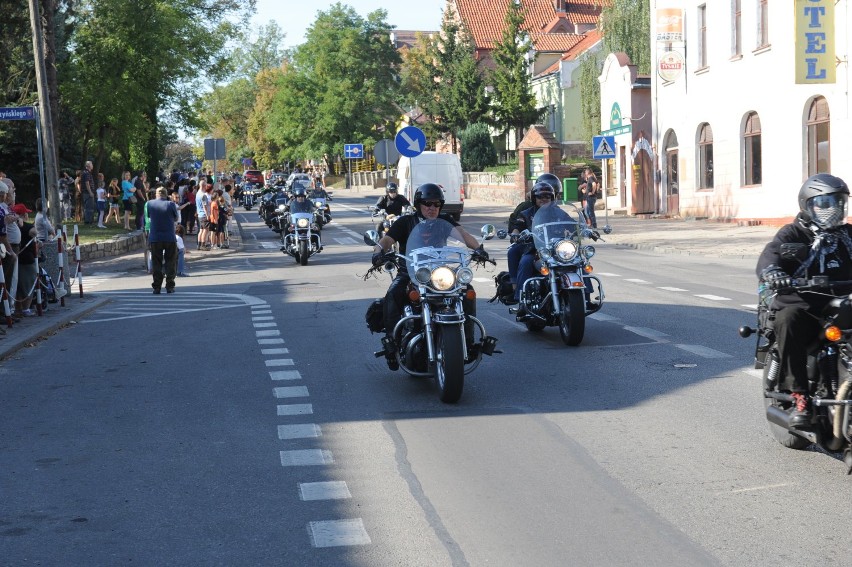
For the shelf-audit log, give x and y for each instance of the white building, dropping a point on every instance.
(749, 99)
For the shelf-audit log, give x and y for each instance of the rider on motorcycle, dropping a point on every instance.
(428, 200)
(526, 204)
(392, 202)
(826, 239)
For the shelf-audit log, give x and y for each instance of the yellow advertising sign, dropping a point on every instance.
(669, 24)
(815, 55)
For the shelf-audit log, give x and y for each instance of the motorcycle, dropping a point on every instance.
(247, 196)
(566, 292)
(430, 338)
(829, 371)
(301, 238)
(322, 215)
(385, 220)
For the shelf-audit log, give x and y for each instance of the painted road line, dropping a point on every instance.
(267, 333)
(608, 274)
(336, 533)
(290, 392)
(666, 288)
(637, 280)
(264, 325)
(647, 333)
(270, 341)
(268, 351)
(346, 240)
(269, 245)
(305, 457)
(703, 351)
(299, 431)
(285, 375)
(264, 311)
(602, 317)
(279, 362)
(714, 297)
(752, 306)
(262, 318)
(332, 490)
(295, 409)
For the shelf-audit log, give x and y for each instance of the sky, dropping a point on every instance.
(294, 16)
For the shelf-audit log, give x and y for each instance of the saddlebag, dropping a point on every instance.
(505, 292)
(376, 316)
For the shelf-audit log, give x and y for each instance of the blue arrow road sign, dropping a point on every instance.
(353, 151)
(410, 141)
(603, 147)
(17, 113)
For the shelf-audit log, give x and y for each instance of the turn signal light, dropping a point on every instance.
(544, 270)
(588, 268)
(833, 333)
(470, 294)
(577, 284)
(414, 296)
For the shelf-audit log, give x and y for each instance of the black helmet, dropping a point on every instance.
(823, 200)
(428, 192)
(300, 192)
(551, 180)
(391, 188)
(542, 188)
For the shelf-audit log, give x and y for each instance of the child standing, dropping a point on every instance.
(181, 267)
(100, 192)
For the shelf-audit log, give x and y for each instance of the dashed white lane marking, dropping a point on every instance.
(334, 533)
(279, 362)
(602, 317)
(666, 288)
(647, 333)
(750, 306)
(274, 351)
(270, 245)
(295, 409)
(483, 280)
(262, 318)
(290, 392)
(346, 240)
(703, 351)
(333, 490)
(267, 333)
(270, 341)
(609, 274)
(265, 311)
(714, 297)
(285, 375)
(637, 280)
(264, 325)
(305, 457)
(299, 431)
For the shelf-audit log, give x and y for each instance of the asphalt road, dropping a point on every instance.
(244, 421)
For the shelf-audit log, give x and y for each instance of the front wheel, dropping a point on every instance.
(303, 252)
(572, 317)
(449, 366)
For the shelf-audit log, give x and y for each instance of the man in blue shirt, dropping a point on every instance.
(163, 215)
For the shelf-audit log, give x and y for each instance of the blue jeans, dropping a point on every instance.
(526, 270)
(513, 257)
(181, 268)
(590, 211)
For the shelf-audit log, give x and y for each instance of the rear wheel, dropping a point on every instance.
(781, 435)
(572, 317)
(303, 252)
(449, 366)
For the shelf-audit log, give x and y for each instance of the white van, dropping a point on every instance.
(432, 167)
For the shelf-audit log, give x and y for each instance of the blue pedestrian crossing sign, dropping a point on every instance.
(353, 151)
(410, 141)
(603, 147)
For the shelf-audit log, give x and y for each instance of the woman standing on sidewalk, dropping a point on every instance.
(127, 196)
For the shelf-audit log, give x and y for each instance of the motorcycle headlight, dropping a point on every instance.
(589, 251)
(565, 250)
(423, 275)
(443, 278)
(464, 275)
(302, 223)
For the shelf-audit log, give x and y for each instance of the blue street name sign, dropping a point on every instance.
(353, 151)
(17, 113)
(410, 141)
(603, 147)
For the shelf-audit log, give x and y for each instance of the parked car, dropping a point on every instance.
(253, 176)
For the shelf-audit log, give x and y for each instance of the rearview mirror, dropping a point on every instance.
(488, 231)
(371, 238)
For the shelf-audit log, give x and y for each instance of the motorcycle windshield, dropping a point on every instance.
(429, 244)
(297, 206)
(319, 202)
(553, 223)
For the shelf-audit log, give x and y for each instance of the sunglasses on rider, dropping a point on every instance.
(434, 204)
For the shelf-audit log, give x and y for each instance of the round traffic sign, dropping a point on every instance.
(386, 152)
(410, 141)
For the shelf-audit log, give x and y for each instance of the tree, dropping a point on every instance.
(513, 102)
(478, 150)
(626, 26)
(590, 95)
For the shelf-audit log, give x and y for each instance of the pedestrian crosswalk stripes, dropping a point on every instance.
(125, 305)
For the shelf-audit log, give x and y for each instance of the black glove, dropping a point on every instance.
(378, 259)
(776, 278)
(480, 253)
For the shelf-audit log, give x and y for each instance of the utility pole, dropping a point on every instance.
(51, 172)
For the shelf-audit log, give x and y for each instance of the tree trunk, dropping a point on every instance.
(48, 23)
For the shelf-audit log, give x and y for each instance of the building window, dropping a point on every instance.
(705, 157)
(751, 151)
(736, 28)
(819, 127)
(702, 36)
(762, 23)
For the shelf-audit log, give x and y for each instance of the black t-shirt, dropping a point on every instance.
(400, 230)
(393, 206)
(27, 254)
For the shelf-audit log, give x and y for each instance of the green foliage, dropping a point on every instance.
(590, 95)
(626, 26)
(503, 168)
(513, 102)
(478, 150)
